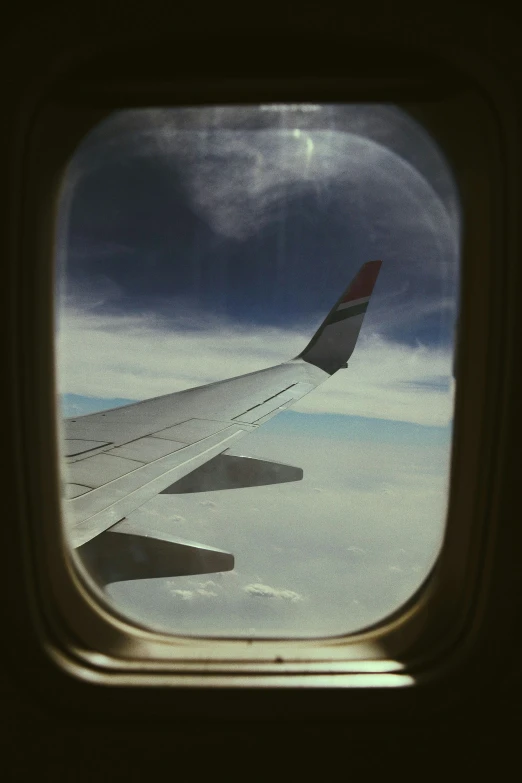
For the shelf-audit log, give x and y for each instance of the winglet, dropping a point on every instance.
(333, 343)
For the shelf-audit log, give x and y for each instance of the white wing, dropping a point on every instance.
(118, 459)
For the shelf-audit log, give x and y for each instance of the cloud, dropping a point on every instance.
(267, 170)
(388, 380)
(289, 150)
(325, 563)
(374, 166)
(183, 595)
(265, 591)
(208, 589)
(132, 356)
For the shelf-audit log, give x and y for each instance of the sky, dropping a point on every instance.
(199, 244)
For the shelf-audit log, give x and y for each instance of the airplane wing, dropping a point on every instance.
(119, 459)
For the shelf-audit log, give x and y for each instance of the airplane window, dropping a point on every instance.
(310, 253)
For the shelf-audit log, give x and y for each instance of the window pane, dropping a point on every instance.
(199, 244)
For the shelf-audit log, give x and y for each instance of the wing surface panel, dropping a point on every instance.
(147, 449)
(192, 431)
(92, 512)
(122, 477)
(221, 401)
(75, 448)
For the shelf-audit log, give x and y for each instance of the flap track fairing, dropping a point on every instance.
(230, 472)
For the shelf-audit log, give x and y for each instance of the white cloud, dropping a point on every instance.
(208, 589)
(138, 357)
(183, 595)
(326, 562)
(388, 380)
(171, 134)
(237, 179)
(265, 591)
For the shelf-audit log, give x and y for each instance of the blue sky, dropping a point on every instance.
(198, 244)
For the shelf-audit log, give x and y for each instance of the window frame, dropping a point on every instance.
(423, 640)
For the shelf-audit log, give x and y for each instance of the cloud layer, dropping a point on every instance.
(265, 591)
(329, 554)
(136, 358)
(240, 163)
